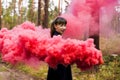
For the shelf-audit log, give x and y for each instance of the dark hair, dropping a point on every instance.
(57, 21)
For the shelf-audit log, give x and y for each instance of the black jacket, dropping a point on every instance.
(61, 73)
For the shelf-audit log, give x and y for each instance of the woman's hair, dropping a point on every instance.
(57, 21)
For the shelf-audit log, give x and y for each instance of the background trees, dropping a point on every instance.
(0, 13)
(40, 12)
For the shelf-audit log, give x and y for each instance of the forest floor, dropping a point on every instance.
(7, 73)
(110, 70)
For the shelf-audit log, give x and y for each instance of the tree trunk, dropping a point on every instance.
(96, 35)
(14, 12)
(30, 13)
(39, 12)
(31, 10)
(96, 40)
(20, 11)
(0, 15)
(59, 7)
(45, 21)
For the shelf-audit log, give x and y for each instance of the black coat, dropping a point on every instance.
(61, 73)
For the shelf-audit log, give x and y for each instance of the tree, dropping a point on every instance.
(39, 12)
(14, 11)
(31, 14)
(8, 16)
(59, 7)
(20, 11)
(45, 20)
(0, 14)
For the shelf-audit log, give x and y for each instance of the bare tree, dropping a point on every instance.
(59, 7)
(0, 14)
(39, 12)
(14, 11)
(20, 11)
(45, 21)
(96, 35)
(30, 13)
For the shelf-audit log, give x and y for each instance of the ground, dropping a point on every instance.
(110, 70)
(7, 73)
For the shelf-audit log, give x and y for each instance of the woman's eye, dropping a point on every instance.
(62, 25)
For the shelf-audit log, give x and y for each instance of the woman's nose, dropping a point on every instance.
(63, 28)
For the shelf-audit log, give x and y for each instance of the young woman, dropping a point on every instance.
(58, 26)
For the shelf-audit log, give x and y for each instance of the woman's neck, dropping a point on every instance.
(57, 33)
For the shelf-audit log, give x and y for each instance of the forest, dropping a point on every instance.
(42, 12)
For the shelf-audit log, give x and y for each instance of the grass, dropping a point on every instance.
(108, 71)
(37, 74)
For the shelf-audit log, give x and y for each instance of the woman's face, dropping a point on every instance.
(60, 28)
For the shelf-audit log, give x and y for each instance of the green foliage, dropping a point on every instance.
(2, 68)
(108, 71)
(11, 17)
